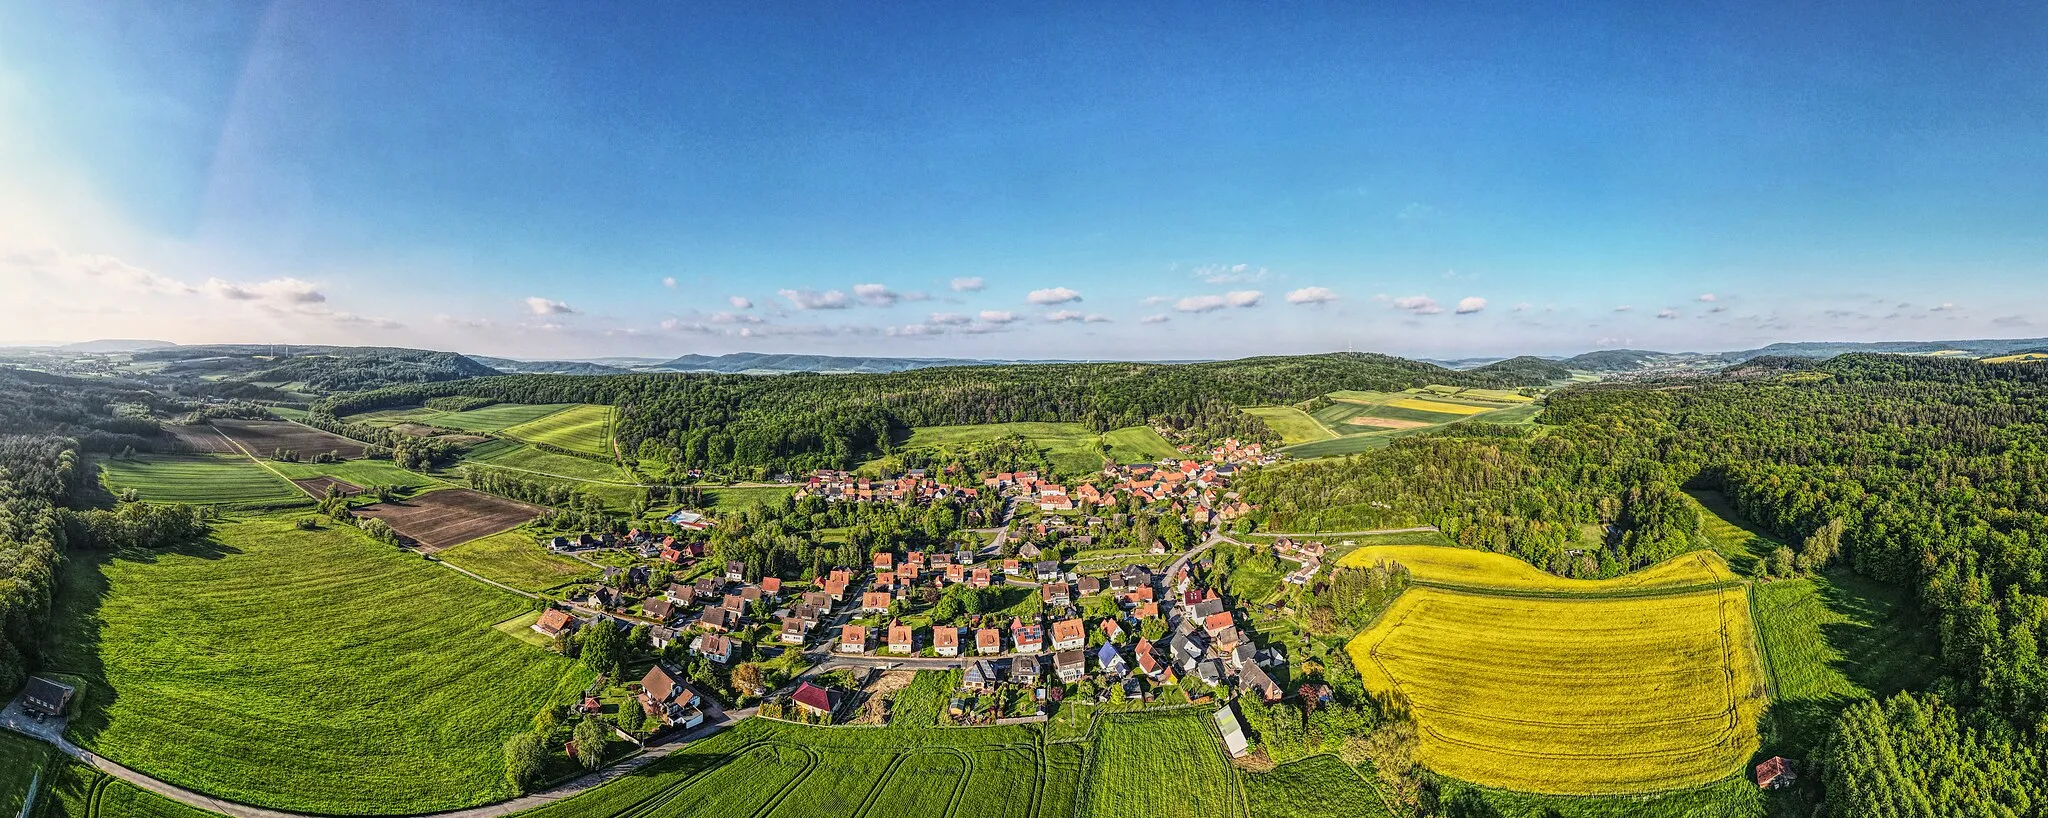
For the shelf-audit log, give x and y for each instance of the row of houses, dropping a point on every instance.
(913, 486)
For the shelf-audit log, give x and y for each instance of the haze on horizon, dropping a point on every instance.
(1051, 181)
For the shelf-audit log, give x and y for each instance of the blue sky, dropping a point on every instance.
(1137, 180)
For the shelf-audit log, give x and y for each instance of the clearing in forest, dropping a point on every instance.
(1579, 695)
(1349, 422)
(583, 428)
(315, 671)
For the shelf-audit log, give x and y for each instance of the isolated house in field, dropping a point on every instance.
(946, 640)
(902, 639)
(555, 622)
(46, 696)
(1068, 634)
(1070, 665)
(664, 696)
(1775, 772)
(854, 639)
(1233, 732)
(814, 699)
(714, 646)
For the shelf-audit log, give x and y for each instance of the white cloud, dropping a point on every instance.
(968, 284)
(1945, 307)
(876, 295)
(277, 290)
(1667, 313)
(1155, 319)
(998, 317)
(1208, 303)
(1418, 305)
(950, 319)
(736, 318)
(1063, 316)
(542, 306)
(1468, 306)
(813, 300)
(1312, 295)
(669, 282)
(1709, 298)
(1052, 295)
(740, 302)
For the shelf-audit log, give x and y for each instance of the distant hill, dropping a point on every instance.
(1524, 370)
(1828, 349)
(772, 363)
(549, 367)
(1612, 360)
(110, 345)
(307, 368)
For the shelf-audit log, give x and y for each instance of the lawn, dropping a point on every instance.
(580, 428)
(315, 671)
(21, 769)
(1472, 568)
(1159, 765)
(1573, 696)
(1314, 787)
(920, 704)
(1071, 446)
(197, 479)
(1293, 425)
(493, 418)
(767, 768)
(516, 559)
(362, 473)
(1137, 444)
(1831, 640)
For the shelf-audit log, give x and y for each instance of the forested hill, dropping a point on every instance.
(1928, 473)
(800, 421)
(320, 369)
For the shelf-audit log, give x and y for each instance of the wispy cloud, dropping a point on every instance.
(969, 284)
(1052, 295)
(1230, 274)
(1155, 319)
(1312, 295)
(1708, 298)
(814, 300)
(542, 306)
(740, 302)
(949, 319)
(669, 282)
(1418, 305)
(1208, 303)
(1667, 314)
(1063, 316)
(999, 317)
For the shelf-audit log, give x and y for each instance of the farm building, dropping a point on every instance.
(1233, 732)
(46, 696)
(1776, 772)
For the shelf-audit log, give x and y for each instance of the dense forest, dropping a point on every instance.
(1929, 473)
(321, 369)
(796, 422)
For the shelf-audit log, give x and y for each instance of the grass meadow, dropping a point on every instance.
(1833, 639)
(22, 763)
(517, 559)
(82, 792)
(580, 428)
(1589, 695)
(1314, 787)
(315, 671)
(920, 704)
(494, 418)
(1293, 425)
(739, 497)
(1354, 421)
(1136, 444)
(1070, 446)
(362, 473)
(1489, 571)
(196, 479)
(1160, 765)
(1731, 798)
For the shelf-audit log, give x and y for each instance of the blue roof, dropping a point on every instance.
(1107, 653)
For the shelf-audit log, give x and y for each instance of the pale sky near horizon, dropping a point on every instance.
(1135, 180)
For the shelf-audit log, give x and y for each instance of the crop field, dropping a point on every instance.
(579, 428)
(261, 437)
(1478, 394)
(2018, 358)
(1437, 406)
(517, 559)
(920, 704)
(1354, 422)
(1293, 425)
(21, 769)
(1337, 447)
(1584, 695)
(1137, 444)
(359, 473)
(1165, 765)
(1069, 445)
(450, 517)
(765, 768)
(1315, 787)
(1472, 568)
(196, 479)
(200, 439)
(316, 671)
(514, 455)
(493, 418)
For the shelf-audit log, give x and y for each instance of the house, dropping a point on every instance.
(875, 602)
(794, 628)
(1111, 661)
(818, 599)
(1112, 631)
(47, 696)
(885, 562)
(988, 641)
(853, 639)
(719, 619)
(1026, 638)
(1210, 672)
(956, 573)
(664, 696)
(681, 594)
(902, 639)
(1024, 670)
(1089, 586)
(1776, 772)
(1011, 567)
(1056, 593)
(1070, 665)
(735, 603)
(735, 571)
(814, 699)
(555, 622)
(946, 640)
(836, 589)
(1148, 660)
(1217, 623)
(771, 586)
(659, 609)
(708, 587)
(714, 646)
(980, 676)
(980, 578)
(1254, 679)
(661, 636)
(1068, 634)
(1233, 732)
(602, 598)
(1047, 570)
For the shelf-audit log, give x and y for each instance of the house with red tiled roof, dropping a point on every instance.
(946, 640)
(1068, 634)
(816, 700)
(854, 639)
(902, 639)
(555, 622)
(988, 641)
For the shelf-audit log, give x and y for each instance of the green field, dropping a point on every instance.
(1071, 446)
(315, 671)
(1137, 444)
(82, 792)
(1833, 639)
(920, 704)
(580, 428)
(517, 559)
(739, 497)
(1732, 798)
(1293, 425)
(21, 768)
(1160, 765)
(362, 473)
(196, 479)
(1315, 787)
(493, 418)
(765, 768)
(606, 481)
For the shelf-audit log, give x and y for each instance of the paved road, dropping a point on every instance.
(52, 731)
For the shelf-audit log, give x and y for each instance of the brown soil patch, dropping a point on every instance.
(451, 517)
(201, 439)
(417, 429)
(317, 486)
(1387, 423)
(262, 437)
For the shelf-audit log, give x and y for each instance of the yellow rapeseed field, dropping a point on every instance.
(1445, 407)
(1581, 695)
(1486, 569)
